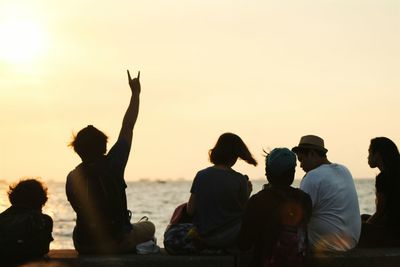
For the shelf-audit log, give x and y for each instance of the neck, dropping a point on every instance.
(322, 162)
(222, 167)
(380, 166)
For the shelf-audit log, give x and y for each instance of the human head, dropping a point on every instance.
(90, 143)
(28, 193)
(228, 149)
(280, 166)
(311, 152)
(383, 151)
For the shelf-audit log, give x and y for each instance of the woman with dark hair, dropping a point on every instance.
(382, 228)
(219, 194)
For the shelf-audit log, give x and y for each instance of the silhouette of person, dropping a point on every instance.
(335, 223)
(25, 232)
(275, 211)
(96, 188)
(382, 228)
(219, 194)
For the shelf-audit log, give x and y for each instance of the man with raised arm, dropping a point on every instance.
(96, 188)
(335, 223)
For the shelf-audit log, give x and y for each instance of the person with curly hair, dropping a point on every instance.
(25, 232)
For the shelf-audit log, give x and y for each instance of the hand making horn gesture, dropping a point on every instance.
(134, 83)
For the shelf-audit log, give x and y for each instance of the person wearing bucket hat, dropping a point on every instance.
(335, 223)
(267, 212)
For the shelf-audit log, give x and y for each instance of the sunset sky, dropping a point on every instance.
(269, 71)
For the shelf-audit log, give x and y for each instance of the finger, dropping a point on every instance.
(138, 74)
(129, 75)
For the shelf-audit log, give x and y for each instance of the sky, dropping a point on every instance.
(269, 71)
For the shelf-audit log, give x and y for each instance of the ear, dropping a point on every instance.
(378, 158)
(311, 153)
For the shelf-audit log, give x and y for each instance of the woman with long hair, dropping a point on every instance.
(382, 228)
(219, 193)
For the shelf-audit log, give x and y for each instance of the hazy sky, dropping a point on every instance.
(269, 71)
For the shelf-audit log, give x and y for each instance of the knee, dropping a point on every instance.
(149, 227)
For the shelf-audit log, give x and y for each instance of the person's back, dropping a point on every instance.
(262, 220)
(96, 192)
(335, 224)
(219, 194)
(275, 220)
(220, 198)
(25, 232)
(96, 188)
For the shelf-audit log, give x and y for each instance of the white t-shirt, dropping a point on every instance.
(335, 223)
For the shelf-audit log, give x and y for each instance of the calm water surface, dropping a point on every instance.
(156, 200)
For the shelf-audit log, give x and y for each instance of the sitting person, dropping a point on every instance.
(219, 194)
(25, 232)
(335, 223)
(96, 189)
(382, 228)
(277, 213)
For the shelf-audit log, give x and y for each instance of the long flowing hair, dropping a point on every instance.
(388, 152)
(228, 149)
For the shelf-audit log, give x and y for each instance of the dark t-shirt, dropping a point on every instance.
(24, 233)
(220, 198)
(96, 192)
(388, 185)
(261, 219)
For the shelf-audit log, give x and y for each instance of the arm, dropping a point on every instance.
(245, 192)
(249, 188)
(249, 228)
(191, 205)
(132, 111)
(378, 216)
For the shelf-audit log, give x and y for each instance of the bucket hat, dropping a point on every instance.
(310, 142)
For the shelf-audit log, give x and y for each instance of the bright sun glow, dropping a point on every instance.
(22, 41)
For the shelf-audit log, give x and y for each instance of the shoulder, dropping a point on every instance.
(240, 175)
(46, 217)
(268, 193)
(264, 198)
(341, 167)
(320, 173)
(259, 195)
(205, 171)
(384, 182)
(121, 146)
(211, 171)
(6, 213)
(75, 172)
(300, 194)
(75, 176)
(312, 178)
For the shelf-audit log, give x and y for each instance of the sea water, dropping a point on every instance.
(154, 199)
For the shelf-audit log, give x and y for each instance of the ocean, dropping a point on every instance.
(154, 199)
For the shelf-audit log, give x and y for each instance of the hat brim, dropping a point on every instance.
(308, 146)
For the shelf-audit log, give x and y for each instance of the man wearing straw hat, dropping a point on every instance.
(335, 223)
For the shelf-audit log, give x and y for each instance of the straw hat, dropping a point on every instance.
(310, 142)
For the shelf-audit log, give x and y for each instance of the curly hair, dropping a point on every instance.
(29, 193)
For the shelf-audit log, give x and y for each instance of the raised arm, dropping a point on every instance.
(132, 111)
